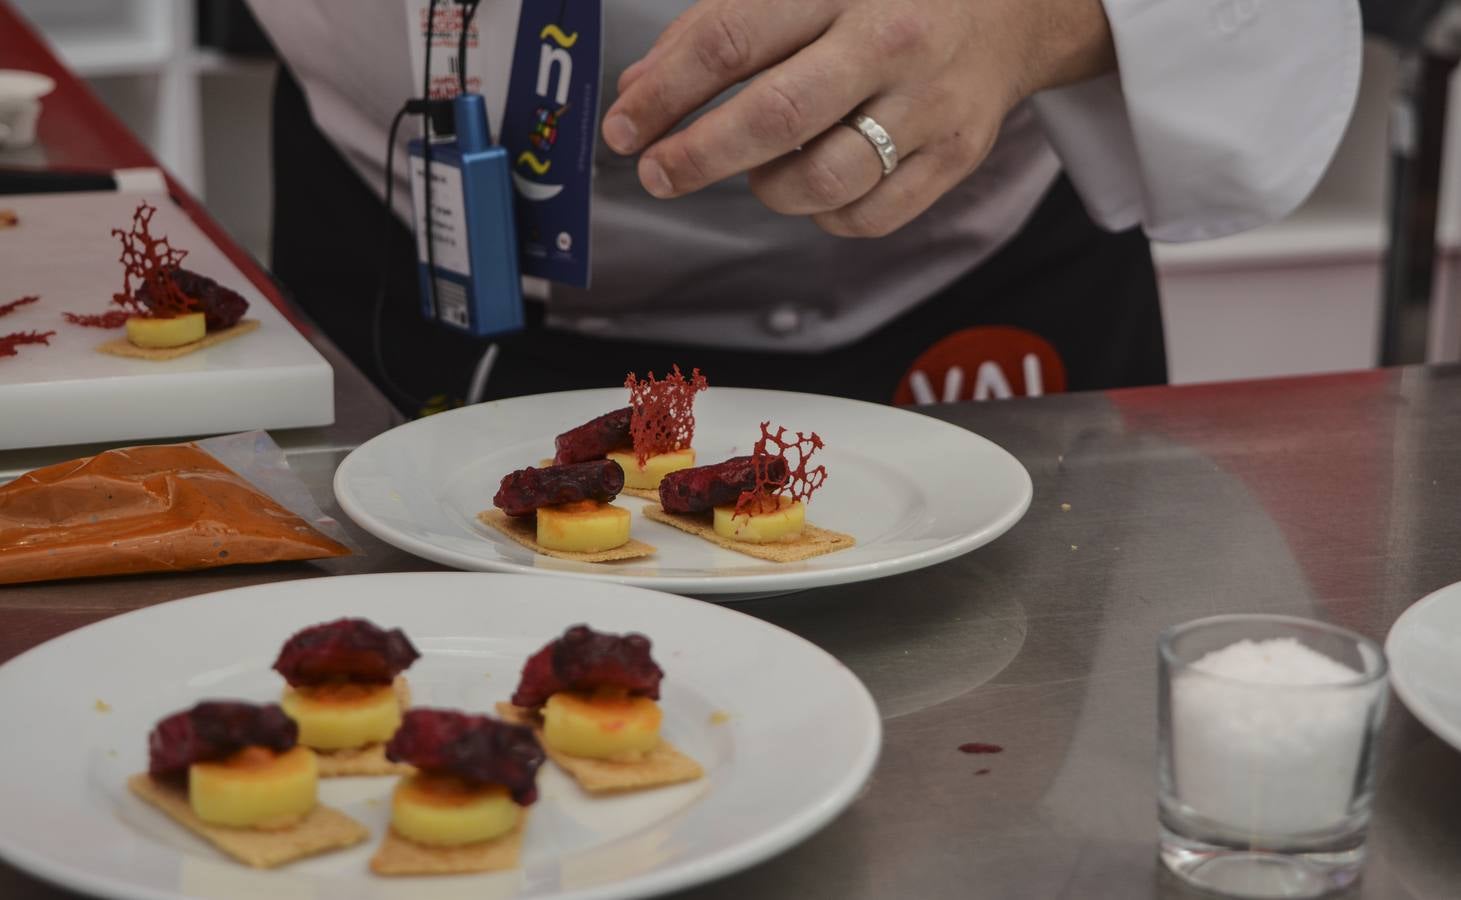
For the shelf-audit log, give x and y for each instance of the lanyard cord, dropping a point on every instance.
(422, 107)
(426, 156)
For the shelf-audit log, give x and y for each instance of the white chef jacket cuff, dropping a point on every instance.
(1223, 118)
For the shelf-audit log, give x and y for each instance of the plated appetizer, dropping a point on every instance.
(171, 311)
(347, 693)
(649, 438)
(566, 511)
(591, 700)
(235, 774)
(464, 809)
(754, 504)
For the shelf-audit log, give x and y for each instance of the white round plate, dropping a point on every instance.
(786, 733)
(911, 489)
(1424, 648)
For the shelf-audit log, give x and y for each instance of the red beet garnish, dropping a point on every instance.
(8, 308)
(583, 660)
(976, 747)
(213, 730)
(704, 487)
(526, 490)
(795, 480)
(663, 412)
(8, 342)
(594, 438)
(221, 307)
(112, 318)
(475, 748)
(345, 650)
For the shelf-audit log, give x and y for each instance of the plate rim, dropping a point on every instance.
(1400, 678)
(710, 867)
(736, 584)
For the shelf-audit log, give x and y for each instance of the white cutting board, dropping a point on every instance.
(68, 393)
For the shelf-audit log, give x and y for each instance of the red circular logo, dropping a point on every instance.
(986, 363)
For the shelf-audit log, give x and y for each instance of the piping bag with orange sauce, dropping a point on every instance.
(170, 507)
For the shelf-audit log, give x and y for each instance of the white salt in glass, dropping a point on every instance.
(1267, 755)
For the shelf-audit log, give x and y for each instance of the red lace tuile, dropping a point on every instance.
(8, 342)
(151, 262)
(798, 482)
(8, 308)
(663, 411)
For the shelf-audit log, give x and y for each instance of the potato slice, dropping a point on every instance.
(171, 332)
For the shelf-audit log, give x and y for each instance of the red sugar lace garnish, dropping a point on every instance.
(112, 318)
(797, 482)
(663, 417)
(150, 261)
(8, 308)
(8, 342)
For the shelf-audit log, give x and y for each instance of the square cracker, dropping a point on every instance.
(813, 541)
(124, 347)
(525, 531)
(664, 765)
(401, 856)
(370, 759)
(323, 829)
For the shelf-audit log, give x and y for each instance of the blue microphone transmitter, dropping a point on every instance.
(469, 279)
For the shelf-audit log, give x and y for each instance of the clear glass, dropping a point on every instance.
(1266, 784)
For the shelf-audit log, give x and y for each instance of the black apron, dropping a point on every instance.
(1063, 306)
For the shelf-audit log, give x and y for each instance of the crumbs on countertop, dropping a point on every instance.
(1065, 507)
(982, 772)
(719, 717)
(101, 706)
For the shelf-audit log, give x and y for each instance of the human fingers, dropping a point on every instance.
(727, 42)
(841, 164)
(787, 107)
(912, 188)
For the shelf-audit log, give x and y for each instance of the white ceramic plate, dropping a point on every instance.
(800, 737)
(1424, 648)
(913, 490)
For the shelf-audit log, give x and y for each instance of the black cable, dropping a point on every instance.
(424, 108)
(469, 8)
(401, 396)
(426, 160)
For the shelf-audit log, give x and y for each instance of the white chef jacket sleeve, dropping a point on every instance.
(1223, 117)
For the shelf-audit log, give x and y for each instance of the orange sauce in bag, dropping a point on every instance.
(144, 509)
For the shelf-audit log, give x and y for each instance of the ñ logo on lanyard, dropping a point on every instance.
(552, 58)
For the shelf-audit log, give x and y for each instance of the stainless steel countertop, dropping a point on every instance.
(1332, 497)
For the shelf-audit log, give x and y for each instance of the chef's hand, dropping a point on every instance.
(939, 75)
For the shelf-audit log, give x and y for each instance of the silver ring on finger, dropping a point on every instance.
(878, 136)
